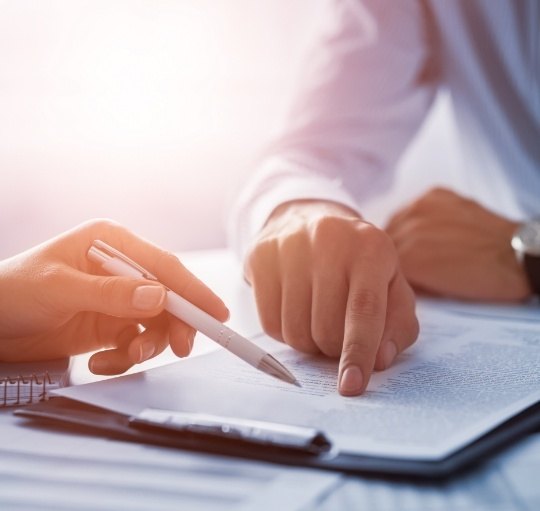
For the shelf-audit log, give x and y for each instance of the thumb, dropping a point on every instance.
(116, 296)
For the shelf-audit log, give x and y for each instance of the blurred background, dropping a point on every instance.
(151, 112)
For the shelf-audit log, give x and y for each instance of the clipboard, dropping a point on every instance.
(264, 441)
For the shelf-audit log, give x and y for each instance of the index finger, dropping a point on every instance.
(161, 263)
(364, 327)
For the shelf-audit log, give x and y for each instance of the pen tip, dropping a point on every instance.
(271, 366)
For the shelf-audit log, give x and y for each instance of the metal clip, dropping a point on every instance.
(101, 249)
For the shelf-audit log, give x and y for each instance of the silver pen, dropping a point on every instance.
(117, 263)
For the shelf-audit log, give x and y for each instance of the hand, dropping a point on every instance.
(326, 281)
(54, 302)
(453, 247)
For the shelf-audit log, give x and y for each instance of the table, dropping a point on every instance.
(117, 475)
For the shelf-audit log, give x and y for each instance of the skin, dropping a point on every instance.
(451, 246)
(54, 302)
(325, 281)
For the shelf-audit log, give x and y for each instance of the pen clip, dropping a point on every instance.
(297, 438)
(109, 252)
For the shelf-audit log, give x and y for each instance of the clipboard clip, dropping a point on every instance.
(304, 439)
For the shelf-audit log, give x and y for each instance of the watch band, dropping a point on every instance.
(532, 268)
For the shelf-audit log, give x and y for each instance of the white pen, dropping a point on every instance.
(117, 263)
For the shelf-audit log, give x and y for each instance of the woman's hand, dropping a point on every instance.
(55, 302)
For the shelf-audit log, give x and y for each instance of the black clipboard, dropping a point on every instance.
(313, 451)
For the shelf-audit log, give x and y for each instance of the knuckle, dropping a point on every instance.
(271, 327)
(357, 351)
(300, 339)
(374, 253)
(167, 259)
(167, 262)
(252, 257)
(293, 244)
(364, 303)
(427, 201)
(436, 191)
(326, 227)
(376, 242)
(329, 340)
(260, 255)
(331, 347)
(103, 225)
(110, 289)
(417, 208)
(422, 205)
(258, 249)
(251, 263)
(329, 231)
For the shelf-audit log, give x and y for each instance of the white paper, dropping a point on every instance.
(461, 379)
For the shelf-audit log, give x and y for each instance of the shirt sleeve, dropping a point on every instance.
(367, 86)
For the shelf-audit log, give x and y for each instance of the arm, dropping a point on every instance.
(324, 279)
(54, 302)
(365, 89)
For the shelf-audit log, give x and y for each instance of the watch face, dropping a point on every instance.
(527, 238)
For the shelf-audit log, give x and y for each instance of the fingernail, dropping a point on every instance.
(96, 366)
(191, 341)
(389, 352)
(147, 297)
(146, 350)
(351, 381)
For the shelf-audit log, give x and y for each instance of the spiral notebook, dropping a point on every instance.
(31, 382)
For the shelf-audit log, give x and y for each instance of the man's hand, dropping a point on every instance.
(55, 302)
(326, 281)
(451, 246)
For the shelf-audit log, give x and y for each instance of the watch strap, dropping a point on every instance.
(532, 267)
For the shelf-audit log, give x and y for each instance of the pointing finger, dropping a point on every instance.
(364, 326)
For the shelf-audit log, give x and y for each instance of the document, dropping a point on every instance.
(462, 378)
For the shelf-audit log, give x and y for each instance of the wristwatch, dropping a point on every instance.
(526, 243)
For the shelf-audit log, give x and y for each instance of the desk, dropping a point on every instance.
(116, 475)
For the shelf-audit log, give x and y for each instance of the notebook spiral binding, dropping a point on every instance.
(23, 390)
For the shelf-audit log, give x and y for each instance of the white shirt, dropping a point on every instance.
(372, 78)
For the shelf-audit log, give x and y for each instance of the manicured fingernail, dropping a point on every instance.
(146, 350)
(97, 366)
(191, 341)
(389, 352)
(351, 381)
(147, 297)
